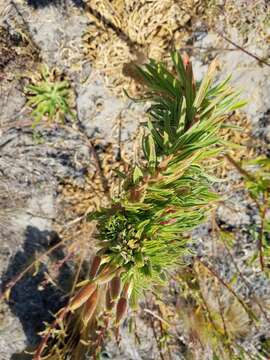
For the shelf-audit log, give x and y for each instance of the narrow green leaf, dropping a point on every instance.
(137, 174)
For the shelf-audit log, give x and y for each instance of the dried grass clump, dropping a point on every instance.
(76, 200)
(127, 31)
(124, 32)
(238, 131)
(211, 317)
(90, 197)
(250, 18)
(16, 50)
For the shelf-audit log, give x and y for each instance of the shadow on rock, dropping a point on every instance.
(31, 305)
(21, 357)
(43, 3)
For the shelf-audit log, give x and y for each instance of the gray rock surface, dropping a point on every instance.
(248, 75)
(28, 208)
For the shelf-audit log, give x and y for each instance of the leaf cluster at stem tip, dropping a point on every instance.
(50, 97)
(169, 192)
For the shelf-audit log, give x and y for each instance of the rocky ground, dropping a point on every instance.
(34, 171)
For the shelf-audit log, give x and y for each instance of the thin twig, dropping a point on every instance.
(239, 168)
(99, 168)
(155, 333)
(261, 61)
(242, 276)
(229, 288)
(103, 179)
(261, 208)
(157, 316)
(44, 341)
(119, 150)
(245, 282)
(205, 304)
(261, 234)
(221, 313)
(15, 280)
(163, 333)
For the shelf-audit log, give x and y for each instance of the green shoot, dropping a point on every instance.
(49, 97)
(142, 236)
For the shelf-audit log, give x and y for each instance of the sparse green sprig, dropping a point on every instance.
(50, 97)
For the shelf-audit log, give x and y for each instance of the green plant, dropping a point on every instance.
(50, 97)
(142, 237)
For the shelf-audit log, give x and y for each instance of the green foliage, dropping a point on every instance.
(169, 193)
(185, 119)
(49, 97)
(143, 235)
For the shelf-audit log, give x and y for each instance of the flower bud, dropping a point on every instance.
(95, 267)
(90, 307)
(121, 309)
(82, 296)
(115, 287)
(109, 302)
(186, 60)
(106, 274)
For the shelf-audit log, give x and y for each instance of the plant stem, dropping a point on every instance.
(229, 288)
(261, 234)
(242, 276)
(260, 60)
(261, 208)
(155, 333)
(91, 147)
(239, 168)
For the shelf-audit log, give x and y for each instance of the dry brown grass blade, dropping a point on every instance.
(230, 289)
(254, 56)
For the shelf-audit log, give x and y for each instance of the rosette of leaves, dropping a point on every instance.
(50, 96)
(142, 237)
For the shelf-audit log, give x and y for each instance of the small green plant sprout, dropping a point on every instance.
(142, 236)
(257, 182)
(50, 97)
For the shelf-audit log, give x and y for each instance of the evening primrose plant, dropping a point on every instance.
(142, 237)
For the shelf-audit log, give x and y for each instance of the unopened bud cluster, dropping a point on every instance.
(121, 241)
(88, 298)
